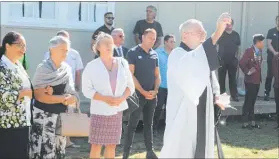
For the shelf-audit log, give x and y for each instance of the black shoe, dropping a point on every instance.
(235, 99)
(254, 125)
(151, 155)
(266, 97)
(245, 125)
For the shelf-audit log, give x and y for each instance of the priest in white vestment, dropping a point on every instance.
(189, 129)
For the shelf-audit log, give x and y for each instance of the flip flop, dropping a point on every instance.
(73, 146)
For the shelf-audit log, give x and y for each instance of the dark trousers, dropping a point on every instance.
(276, 93)
(269, 76)
(231, 68)
(14, 143)
(250, 100)
(147, 108)
(162, 100)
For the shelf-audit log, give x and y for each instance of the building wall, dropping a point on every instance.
(250, 18)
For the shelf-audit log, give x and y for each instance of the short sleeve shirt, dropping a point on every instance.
(101, 29)
(273, 35)
(228, 45)
(142, 25)
(145, 64)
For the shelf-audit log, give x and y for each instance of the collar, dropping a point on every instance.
(150, 50)
(9, 63)
(185, 47)
(107, 27)
(118, 47)
(256, 49)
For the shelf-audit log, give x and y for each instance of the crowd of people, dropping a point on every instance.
(29, 109)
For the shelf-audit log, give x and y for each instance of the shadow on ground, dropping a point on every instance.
(232, 135)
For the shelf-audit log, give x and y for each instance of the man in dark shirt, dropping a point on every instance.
(143, 61)
(106, 28)
(149, 22)
(228, 51)
(272, 49)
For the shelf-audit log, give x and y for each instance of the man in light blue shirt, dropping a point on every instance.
(163, 54)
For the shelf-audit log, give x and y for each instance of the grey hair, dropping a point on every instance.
(58, 40)
(62, 33)
(99, 38)
(153, 8)
(117, 30)
(188, 25)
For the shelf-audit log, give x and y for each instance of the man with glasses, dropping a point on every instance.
(106, 28)
(149, 22)
(118, 39)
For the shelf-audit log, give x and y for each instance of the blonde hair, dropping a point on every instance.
(100, 38)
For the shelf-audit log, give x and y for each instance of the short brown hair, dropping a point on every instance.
(168, 36)
(149, 30)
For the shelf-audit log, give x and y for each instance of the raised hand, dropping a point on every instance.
(223, 21)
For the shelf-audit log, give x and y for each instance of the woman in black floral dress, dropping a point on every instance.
(53, 75)
(15, 99)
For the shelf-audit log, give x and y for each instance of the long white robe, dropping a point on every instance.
(188, 75)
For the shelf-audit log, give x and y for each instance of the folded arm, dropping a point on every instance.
(42, 96)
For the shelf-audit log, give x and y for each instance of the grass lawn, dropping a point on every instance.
(237, 143)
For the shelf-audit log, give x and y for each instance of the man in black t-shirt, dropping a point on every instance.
(106, 28)
(229, 44)
(272, 49)
(149, 22)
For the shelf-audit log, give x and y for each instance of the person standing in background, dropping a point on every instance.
(228, 45)
(250, 64)
(275, 69)
(147, 23)
(106, 28)
(272, 49)
(163, 54)
(119, 39)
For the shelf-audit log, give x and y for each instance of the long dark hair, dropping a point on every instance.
(9, 38)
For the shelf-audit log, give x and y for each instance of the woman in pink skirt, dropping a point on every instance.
(108, 82)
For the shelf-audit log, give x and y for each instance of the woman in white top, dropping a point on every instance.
(108, 82)
(15, 99)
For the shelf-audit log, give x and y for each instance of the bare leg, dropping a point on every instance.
(95, 151)
(110, 151)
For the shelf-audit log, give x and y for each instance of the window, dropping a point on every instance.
(49, 14)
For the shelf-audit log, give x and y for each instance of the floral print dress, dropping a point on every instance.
(14, 113)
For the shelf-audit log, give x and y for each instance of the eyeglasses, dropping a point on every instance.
(20, 45)
(121, 36)
(110, 18)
